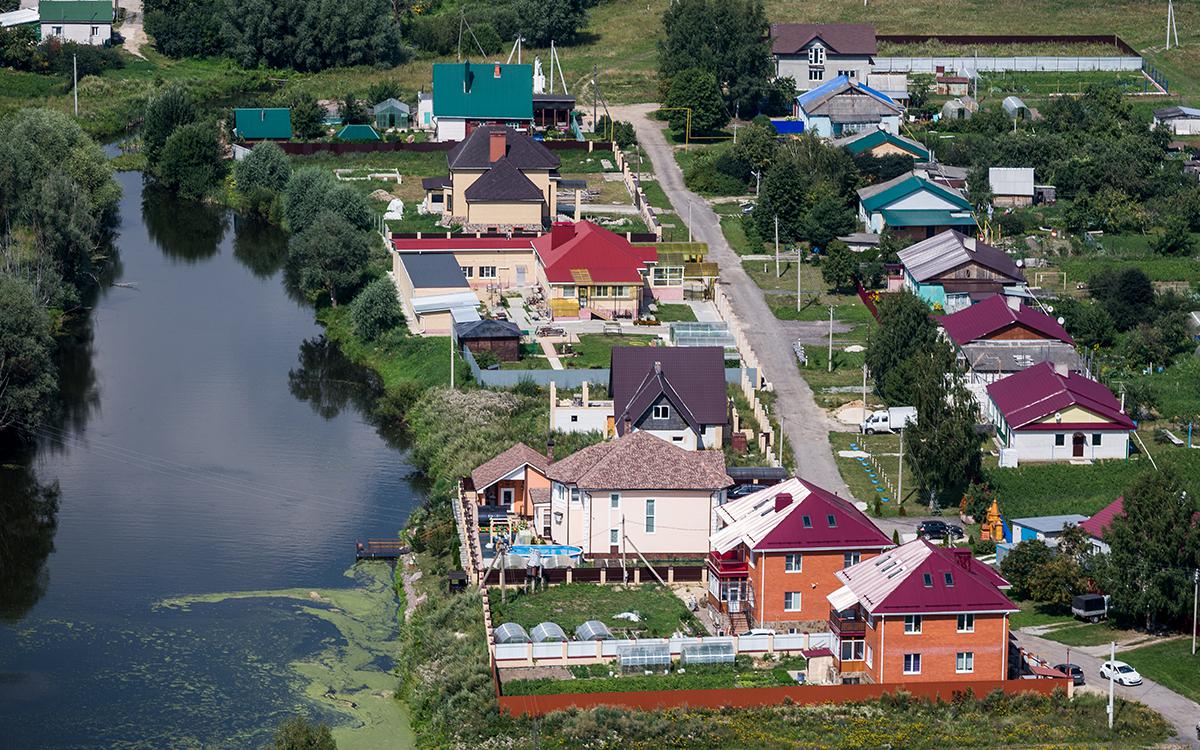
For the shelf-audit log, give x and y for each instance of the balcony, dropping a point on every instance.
(848, 623)
(728, 565)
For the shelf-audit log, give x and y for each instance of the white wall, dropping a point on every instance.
(581, 418)
(450, 129)
(79, 32)
(922, 199)
(1039, 445)
(1183, 126)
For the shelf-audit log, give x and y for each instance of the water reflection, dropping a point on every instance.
(329, 382)
(28, 519)
(259, 246)
(183, 230)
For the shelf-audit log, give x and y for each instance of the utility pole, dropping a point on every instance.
(595, 94)
(451, 355)
(899, 469)
(798, 274)
(864, 400)
(690, 205)
(830, 369)
(75, 81)
(777, 273)
(1112, 675)
(1195, 592)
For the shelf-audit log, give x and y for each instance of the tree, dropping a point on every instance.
(164, 113)
(783, 195)
(1126, 295)
(64, 228)
(695, 90)
(329, 256)
(840, 267)
(1152, 550)
(304, 197)
(261, 176)
(756, 144)
(905, 329)
(311, 36)
(1176, 238)
(828, 218)
(298, 733)
(376, 309)
(351, 205)
(187, 28)
(307, 116)
(191, 162)
(1056, 581)
(1021, 563)
(544, 21)
(943, 446)
(976, 501)
(27, 373)
(388, 88)
(351, 110)
(1088, 323)
(979, 188)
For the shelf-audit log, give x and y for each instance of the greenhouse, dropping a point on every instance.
(548, 632)
(511, 632)
(593, 630)
(708, 652)
(645, 654)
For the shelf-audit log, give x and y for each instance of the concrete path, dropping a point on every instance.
(1182, 713)
(132, 29)
(805, 424)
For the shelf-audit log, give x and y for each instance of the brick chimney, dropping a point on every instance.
(560, 232)
(497, 145)
(496, 71)
(962, 556)
(782, 500)
(550, 448)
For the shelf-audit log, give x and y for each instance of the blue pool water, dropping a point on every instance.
(546, 549)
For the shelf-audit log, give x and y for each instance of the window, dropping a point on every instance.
(574, 417)
(816, 55)
(614, 500)
(600, 291)
(667, 276)
(568, 290)
(791, 601)
(506, 496)
(487, 272)
(661, 412)
(964, 661)
(576, 496)
(806, 521)
(966, 623)
(649, 516)
(912, 624)
(618, 292)
(927, 579)
(912, 664)
(95, 30)
(56, 30)
(852, 650)
(467, 271)
(793, 562)
(831, 520)
(870, 657)
(613, 536)
(816, 74)
(1060, 439)
(949, 579)
(851, 558)
(1096, 438)
(851, 74)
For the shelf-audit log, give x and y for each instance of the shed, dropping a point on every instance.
(359, 133)
(391, 113)
(593, 630)
(500, 337)
(1011, 186)
(1178, 120)
(548, 632)
(511, 632)
(1015, 108)
(263, 123)
(1044, 528)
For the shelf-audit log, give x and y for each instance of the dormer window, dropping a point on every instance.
(928, 581)
(816, 55)
(831, 520)
(949, 580)
(806, 521)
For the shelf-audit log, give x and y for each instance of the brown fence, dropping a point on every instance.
(540, 705)
(1001, 39)
(317, 147)
(612, 574)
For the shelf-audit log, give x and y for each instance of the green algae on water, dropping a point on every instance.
(353, 677)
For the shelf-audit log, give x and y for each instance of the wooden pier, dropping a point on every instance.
(380, 549)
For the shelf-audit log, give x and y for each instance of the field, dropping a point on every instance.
(1170, 664)
(572, 604)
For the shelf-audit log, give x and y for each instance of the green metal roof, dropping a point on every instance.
(475, 91)
(925, 217)
(273, 123)
(910, 185)
(357, 133)
(879, 137)
(76, 11)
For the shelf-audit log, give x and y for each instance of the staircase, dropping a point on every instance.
(738, 623)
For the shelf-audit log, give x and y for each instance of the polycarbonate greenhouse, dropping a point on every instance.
(593, 630)
(706, 652)
(511, 632)
(645, 655)
(548, 632)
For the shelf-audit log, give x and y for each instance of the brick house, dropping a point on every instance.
(921, 613)
(779, 552)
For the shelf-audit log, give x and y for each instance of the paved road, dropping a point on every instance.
(805, 424)
(1181, 712)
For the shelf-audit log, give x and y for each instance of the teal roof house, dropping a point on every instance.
(468, 94)
(262, 124)
(79, 21)
(914, 207)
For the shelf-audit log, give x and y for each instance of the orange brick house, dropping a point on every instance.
(778, 553)
(921, 613)
(516, 480)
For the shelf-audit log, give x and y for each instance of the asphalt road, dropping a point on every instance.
(806, 425)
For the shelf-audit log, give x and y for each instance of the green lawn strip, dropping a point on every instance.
(594, 350)
(606, 678)
(857, 475)
(1178, 391)
(398, 357)
(1170, 664)
(735, 235)
(675, 313)
(1035, 614)
(570, 605)
(574, 161)
(1091, 634)
(655, 195)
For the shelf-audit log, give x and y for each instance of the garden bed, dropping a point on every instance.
(570, 605)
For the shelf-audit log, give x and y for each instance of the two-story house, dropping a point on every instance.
(676, 393)
(778, 551)
(921, 613)
(951, 269)
(812, 53)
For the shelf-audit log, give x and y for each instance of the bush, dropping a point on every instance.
(704, 177)
(261, 176)
(191, 163)
(376, 310)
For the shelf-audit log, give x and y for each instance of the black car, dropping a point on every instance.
(939, 530)
(741, 490)
(1071, 670)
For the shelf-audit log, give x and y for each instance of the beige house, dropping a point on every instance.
(635, 495)
(433, 293)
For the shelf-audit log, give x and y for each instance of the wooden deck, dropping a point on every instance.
(380, 549)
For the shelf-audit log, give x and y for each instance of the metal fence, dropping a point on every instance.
(990, 64)
(576, 652)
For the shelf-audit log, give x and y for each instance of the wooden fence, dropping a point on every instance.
(613, 574)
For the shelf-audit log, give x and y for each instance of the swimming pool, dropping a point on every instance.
(546, 549)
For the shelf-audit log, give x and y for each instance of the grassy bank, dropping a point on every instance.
(1170, 664)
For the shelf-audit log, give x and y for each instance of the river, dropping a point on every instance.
(214, 466)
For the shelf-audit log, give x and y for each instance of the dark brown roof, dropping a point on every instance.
(435, 183)
(692, 378)
(487, 328)
(515, 457)
(842, 38)
(523, 151)
(503, 182)
(641, 461)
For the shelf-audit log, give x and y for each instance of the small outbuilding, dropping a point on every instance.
(1011, 186)
(262, 124)
(1015, 108)
(500, 337)
(391, 113)
(358, 133)
(959, 108)
(1179, 120)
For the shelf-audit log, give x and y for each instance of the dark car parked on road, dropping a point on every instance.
(939, 530)
(1074, 671)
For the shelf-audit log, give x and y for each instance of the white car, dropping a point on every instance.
(1121, 673)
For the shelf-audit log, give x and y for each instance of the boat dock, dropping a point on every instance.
(380, 549)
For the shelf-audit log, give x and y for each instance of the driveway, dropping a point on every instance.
(1182, 713)
(804, 423)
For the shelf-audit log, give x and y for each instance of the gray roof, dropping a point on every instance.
(521, 150)
(948, 250)
(488, 329)
(1049, 524)
(1011, 180)
(503, 183)
(433, 270)
(1012, 357)
(1173, 113)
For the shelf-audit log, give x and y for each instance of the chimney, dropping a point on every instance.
(560, 232)
(1060, 368)
(1014, 303)
(969, 243)
(467, 77)
(782, 500)
(962, 556)
(550, 448)
(496, 71)
(497, 142)
(628, 424)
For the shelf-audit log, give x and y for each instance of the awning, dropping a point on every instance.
(842, 599)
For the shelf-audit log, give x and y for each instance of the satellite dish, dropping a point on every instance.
(1061, 319)
(1050, 309)
(1020, 262)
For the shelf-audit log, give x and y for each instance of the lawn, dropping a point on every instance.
(594, 350)
(857, 475)
(1170, 664)
(677, 313)
(576, 161)
(596, 678)
(1033, 614)
(398, 357)
(1178, 391)
(572, 604)
(1092, 634)
(655, 195)
(735, 234)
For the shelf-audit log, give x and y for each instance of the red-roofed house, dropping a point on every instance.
(923, 614)
(999, 336)
(1096, 526)
(777, 553)
(588, 270)
(1047, 414)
